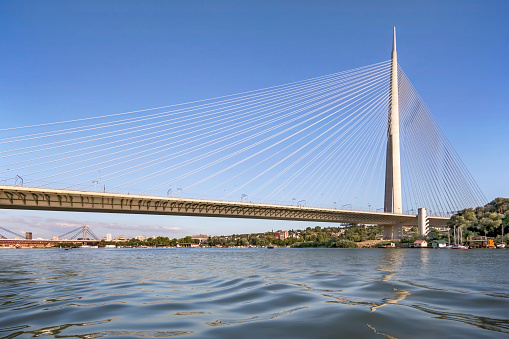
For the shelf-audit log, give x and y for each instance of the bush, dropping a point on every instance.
(312, 244)
(343, 243)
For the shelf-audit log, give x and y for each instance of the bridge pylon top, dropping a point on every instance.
(394, 39)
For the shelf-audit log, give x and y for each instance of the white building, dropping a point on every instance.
(201, 237)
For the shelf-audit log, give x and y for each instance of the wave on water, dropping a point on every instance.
(253, 293)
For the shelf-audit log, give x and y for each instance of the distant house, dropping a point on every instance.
(202, 238)
(337, 234)
(420, 243)
(281, 235)
(294, 235)
(439, 244)
(187, 244)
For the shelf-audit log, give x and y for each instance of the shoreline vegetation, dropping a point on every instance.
(480, 226)
(490, 221)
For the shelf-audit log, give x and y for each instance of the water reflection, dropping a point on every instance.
(262, 317)
(253, 293)
(424, 255)
(492, 324)
(57, 332)
(391, 260)
(380, 333)
(390, 263)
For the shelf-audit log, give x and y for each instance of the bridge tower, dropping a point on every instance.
(392, 200)
(84, 230)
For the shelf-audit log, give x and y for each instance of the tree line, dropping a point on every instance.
(310, 237)
(491, 220)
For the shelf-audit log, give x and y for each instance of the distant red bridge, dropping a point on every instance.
(29, 243)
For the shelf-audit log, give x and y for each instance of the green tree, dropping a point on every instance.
(322, 237)
(463, 220)
(491, 222)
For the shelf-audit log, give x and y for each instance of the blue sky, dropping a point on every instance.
(75, 59)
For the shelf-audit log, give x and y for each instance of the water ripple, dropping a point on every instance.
(227, 322)
(253, 293)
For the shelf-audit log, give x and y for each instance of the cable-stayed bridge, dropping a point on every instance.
(358, 146)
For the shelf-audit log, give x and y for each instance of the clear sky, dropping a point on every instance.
(74, 59)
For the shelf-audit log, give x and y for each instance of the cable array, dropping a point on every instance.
(316, 142)
(433, 175)
(82, 231)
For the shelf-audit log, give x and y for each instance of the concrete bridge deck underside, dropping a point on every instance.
(14, 197)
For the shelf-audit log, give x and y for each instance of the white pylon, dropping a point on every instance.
(392, 201)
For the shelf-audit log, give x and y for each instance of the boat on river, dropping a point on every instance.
(460, 247)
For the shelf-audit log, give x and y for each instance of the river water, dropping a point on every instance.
(254, 293)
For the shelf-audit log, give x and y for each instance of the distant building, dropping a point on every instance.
(121, 237)
(201, 237)
(295, 235)
(439, 244)
(141, 237)
(281, 235)
(187, 244)
(28, 235)
(420, 243)
(339, 232)
(108, 236)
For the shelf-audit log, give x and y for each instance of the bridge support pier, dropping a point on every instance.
(422, 222)
(393, 231)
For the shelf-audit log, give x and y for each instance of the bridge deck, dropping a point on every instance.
(14, 197)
